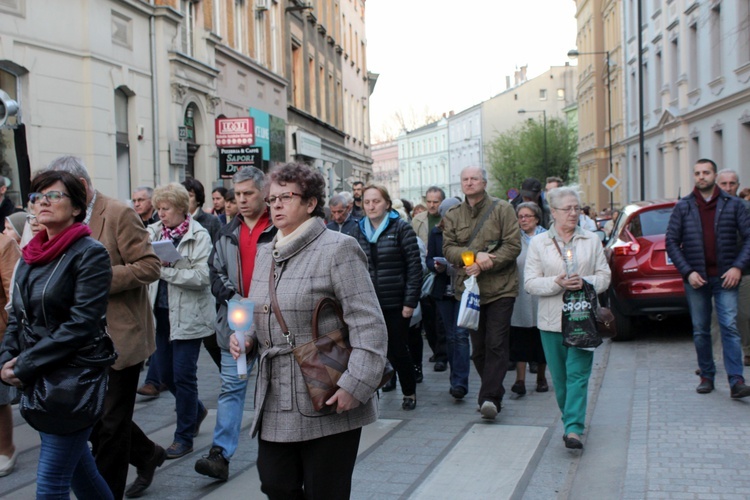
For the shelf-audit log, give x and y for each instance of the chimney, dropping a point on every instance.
(450, 113)
(507, 82)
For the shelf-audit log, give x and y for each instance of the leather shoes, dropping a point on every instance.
(519, 387)
(410, 402)
(573, 441)
(457, 392)
(149, 390)
(440, 366)
(146, 473)
(178, 450)
(542, 386)
(390, 385)
(740, 390)
(706, 386)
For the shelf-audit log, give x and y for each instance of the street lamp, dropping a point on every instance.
(544, 112)
(573, 54)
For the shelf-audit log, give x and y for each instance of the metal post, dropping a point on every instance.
(609, 113)
(546, 165)
(640, 105)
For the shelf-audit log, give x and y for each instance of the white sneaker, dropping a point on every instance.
(488, 410)
(7, 464)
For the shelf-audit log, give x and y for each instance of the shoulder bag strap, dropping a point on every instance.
(481, 222)
(275, 306)
(558, 248)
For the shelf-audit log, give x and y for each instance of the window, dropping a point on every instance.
(695, 150)
(650, 223)
(313, 89)
(542, 94)
(659, 69)
(560, 94)
(693, 57)
(718, 148)
(743, 34)
(261, 50)
(716, 41)
(122, 147)
(187, 7)
(297, 87)
(674, 73)
(240, 24)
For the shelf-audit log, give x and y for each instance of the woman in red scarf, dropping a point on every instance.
(59, 299)
(184, 309)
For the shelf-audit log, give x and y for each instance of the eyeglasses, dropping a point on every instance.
(527, 216)
(285, 198)
(50, 196)
(569, 210)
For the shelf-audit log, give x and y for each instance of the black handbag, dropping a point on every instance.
(70, 397)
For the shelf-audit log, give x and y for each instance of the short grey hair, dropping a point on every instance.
(348, 197)
(534, 207)
(251, 174)
(149, 190)
(483, 171)
(73, 165)
(337, 200)
(556, 195)
(728, 171)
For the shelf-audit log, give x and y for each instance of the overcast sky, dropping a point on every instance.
(443, 55)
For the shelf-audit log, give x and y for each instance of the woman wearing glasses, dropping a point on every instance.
(184, 310)
(58, 301)
(304, 453)
(548, 274)
(396, 272)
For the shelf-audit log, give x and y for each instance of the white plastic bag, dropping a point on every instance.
(468, 313)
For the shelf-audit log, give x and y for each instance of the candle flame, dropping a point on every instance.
(238, 316)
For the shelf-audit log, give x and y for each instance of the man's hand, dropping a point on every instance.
(343, 401)
(439, 268)
(407, 312)
(731, 278)
(695, 280)
(473, 270)
(484, 260)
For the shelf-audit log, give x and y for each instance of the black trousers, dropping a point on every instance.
(398, 350)
(490, 347)
(434, 331)
(318, 469)
(116, 438)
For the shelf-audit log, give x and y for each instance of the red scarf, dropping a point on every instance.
(176, 232)
(42, 250)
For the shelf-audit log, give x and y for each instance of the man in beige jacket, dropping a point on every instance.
(488, 227)
(115, 437)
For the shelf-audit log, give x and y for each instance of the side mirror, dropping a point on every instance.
(8, 108)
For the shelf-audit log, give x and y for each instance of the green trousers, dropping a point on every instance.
(570, 369)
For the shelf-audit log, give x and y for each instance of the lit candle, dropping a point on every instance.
(468, 258)
(569, 261)
(239, 317)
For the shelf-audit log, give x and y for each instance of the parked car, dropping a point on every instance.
(645, 283)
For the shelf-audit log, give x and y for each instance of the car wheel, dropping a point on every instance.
(625, 326)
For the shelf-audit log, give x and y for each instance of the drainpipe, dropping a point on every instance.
(154, 97)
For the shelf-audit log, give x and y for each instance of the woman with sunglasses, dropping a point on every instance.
(58, 301)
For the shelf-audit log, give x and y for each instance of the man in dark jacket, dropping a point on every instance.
(702, 242)
(341, 218)
(231, 266)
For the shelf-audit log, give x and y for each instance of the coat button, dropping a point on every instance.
(275, 275)
(275, 253)
(265, 308)
(268, 344)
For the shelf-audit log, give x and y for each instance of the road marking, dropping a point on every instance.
(489, 461)
(248, 481)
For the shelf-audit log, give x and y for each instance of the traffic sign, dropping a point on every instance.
(611, 182)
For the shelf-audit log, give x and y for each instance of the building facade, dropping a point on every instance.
(138, 101)
(423, 160)
(385, 166)
(464, 146)
(696, 92)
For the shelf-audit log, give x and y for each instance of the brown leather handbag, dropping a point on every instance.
(325, 358)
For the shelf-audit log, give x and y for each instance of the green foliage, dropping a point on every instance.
(519, 154)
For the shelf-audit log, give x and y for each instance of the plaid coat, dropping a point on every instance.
(319, 263)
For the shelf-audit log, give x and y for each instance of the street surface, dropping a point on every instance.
(649, 435)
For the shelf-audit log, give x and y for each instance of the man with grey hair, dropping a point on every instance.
(142, 205)
(231, 265)
(486, 229)
(116, 439)
(341, 219)
(729, 181)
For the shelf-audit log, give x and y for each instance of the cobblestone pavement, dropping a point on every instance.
(649, 435)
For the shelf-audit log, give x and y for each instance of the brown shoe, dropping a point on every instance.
(747, 361)
(149, 390)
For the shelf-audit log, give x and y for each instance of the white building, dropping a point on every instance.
(696, 98)
(464, 145)
(423, 160)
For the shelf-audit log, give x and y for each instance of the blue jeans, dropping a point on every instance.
(66, 462)
(699, 302)
(178, 367)
(456, 343)
(231, 405)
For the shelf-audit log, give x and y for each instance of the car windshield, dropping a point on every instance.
(650, 222)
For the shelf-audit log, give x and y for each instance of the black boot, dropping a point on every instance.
(391, 385)
(418, 373)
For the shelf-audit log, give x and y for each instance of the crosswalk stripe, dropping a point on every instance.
(489, 460)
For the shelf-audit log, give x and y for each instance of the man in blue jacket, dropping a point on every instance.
(702, 242)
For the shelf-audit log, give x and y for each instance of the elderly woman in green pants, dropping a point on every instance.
(548, 275)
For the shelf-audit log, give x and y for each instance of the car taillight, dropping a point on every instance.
(628, 249)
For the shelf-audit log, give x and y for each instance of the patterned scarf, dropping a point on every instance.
(527, 239)
(177, 232)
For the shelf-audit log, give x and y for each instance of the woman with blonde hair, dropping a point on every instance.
(184, 310)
